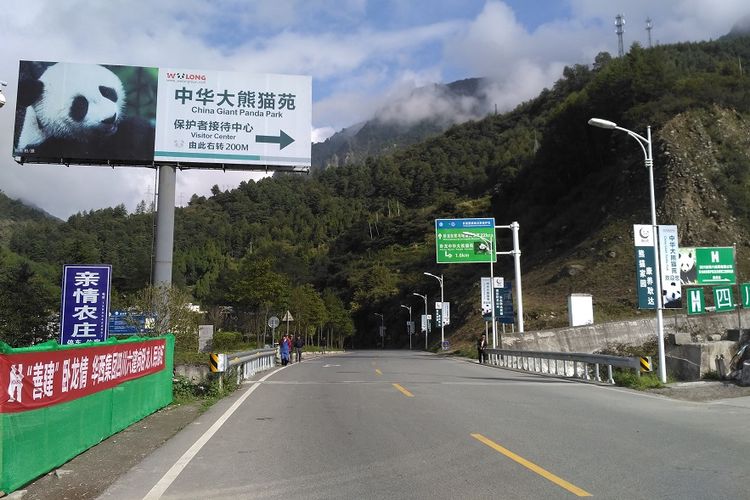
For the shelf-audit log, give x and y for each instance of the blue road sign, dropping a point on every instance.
(84, 311)
(126, 323)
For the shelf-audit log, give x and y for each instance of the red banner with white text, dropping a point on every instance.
(32, 380)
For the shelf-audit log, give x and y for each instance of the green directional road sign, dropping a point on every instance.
(715, 266)
(723, 298)
(745, 294)
(696, 302)
(460, 241)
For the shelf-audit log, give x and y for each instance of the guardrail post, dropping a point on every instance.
(598, 377)
(609, 372)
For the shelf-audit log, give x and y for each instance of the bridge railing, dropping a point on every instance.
(249, 363)
(568, 364)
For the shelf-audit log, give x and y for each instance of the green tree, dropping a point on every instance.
(26, 304)
(171, 312)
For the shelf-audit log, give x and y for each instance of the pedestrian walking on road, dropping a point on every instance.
(299, 343)
(284, 350)
(481, 346)
(291, 348)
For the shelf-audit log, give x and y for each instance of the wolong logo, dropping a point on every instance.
(185, 77)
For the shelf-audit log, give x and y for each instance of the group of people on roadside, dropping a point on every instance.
(288, 345)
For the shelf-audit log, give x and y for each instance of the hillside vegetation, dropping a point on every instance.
(343, 243)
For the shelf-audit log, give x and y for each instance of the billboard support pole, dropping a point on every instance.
(165, 226)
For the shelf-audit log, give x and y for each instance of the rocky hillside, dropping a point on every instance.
(701, 149)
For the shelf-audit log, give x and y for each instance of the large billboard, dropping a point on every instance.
(126, 115)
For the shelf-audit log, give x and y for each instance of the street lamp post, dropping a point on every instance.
(427, 326)
(381, 332)
(442, 316)
(408, 330)
(645, 144)
(492, 282)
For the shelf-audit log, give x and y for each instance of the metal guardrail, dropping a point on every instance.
(568, 364)
(248, 363)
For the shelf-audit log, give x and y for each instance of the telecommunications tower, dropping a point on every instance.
(649, 25)
(620, 24)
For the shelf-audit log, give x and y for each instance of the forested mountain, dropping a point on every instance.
(405, 120)
(352, 241)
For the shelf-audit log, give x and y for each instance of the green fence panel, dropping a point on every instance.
(36, 441)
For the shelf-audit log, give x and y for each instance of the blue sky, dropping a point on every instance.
(361, 55)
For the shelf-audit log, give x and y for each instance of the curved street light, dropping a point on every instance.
(382, 332)
(489, 243)
(427, 326)
(442, 299)
(645, 144)
(408, 308)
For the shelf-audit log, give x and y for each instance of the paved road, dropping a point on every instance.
(376, 424)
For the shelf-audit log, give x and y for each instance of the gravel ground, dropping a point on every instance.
(90, 473)
(703, 391)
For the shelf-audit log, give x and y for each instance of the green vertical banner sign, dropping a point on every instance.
(745, 293)
(696, 302)
(723, 300)
(645, 263)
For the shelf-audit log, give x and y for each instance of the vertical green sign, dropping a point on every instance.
(460, 241)
(696, 302)
(745, 294)
(645, 265)
(645, 262)
(723, 298)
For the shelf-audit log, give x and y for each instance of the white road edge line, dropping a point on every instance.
(166, 481)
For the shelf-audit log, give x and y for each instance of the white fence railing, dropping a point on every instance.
(249, 363)
(567, 364)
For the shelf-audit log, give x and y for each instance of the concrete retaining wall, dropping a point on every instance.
(591, 338)
(686, 362)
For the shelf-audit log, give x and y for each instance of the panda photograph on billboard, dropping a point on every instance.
(85, 113)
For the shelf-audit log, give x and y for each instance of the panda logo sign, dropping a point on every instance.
(672, 295)
(688, 269)
(86, 112)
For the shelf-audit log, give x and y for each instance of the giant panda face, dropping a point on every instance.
(79, 101)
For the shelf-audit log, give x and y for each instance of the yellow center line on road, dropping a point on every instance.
(532, 466)
(403, 391)
(377, 370)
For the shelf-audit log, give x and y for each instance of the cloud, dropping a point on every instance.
(322, 133)
(363, 56)
(521, 62)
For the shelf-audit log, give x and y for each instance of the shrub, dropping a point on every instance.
(226, 341)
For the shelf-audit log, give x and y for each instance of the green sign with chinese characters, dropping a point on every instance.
(723, 300)
(715, 266)
(696, 302)
(745, 294)
(460, 241)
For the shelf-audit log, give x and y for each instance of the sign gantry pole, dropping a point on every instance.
(165, 226)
